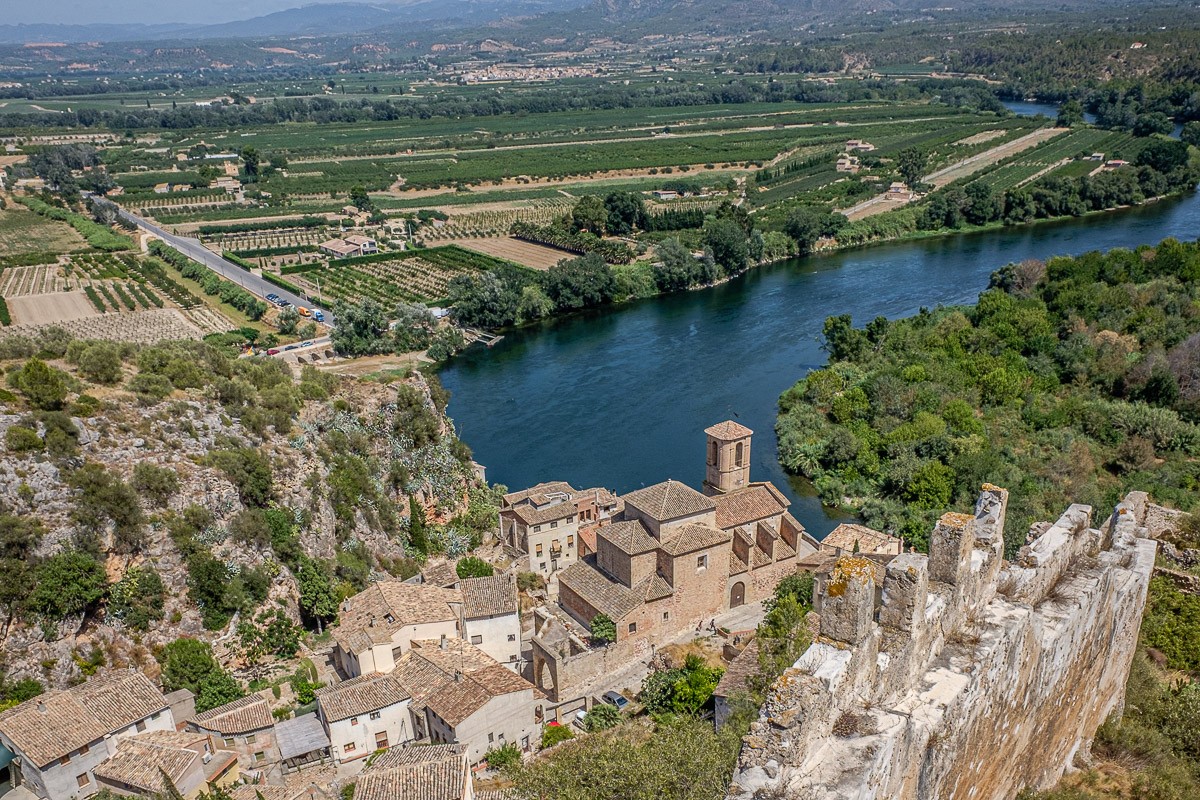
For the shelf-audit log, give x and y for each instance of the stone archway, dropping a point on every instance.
(737, 594)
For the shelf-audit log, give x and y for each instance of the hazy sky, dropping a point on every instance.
(145, 11)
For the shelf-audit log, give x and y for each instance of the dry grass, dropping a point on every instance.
(534, 256)
(22, 231)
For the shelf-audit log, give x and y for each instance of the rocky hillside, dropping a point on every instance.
(148, 493)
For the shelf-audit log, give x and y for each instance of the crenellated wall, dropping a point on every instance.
(966, 677)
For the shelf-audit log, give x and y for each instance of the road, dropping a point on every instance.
(197, 252)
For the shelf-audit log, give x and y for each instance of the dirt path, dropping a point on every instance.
(961, 169)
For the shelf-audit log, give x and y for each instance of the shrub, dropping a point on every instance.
(472, 567)
(602, 717)
(554, 734)
(18, 439)
(604, 630)
(155, 484)
(43, 386)
(504, 757)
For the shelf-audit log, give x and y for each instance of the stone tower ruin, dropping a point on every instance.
(958, 675)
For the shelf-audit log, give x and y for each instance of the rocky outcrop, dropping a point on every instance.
(967, 677)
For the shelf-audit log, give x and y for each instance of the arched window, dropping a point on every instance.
(737, 455)
(712, 452)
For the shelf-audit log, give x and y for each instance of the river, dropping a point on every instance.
(620, 397)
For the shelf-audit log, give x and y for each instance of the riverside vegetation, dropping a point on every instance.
(128, 469)
(1073, 380)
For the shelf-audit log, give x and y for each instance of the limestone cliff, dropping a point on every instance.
(965, 677)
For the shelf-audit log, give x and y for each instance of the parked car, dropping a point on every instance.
(274, 298)
(291, 347)
(318, 315)
(304, 312)
(307, 344)
(283, 304)
(274, 351)
(616, 699)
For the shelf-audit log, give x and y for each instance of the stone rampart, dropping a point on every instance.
(966, 677)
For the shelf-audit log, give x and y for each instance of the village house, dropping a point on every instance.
(302, 741)
(378, 624)
(492, 617)
(848, 163)
(349, 246)
(142, 764)
(851, 538)
(859, 145)
(53, 743)
(555, 523)
(244, 727)
(365, 714)
(264, 791)
(431, 772)
(461, 695)
(675, 558)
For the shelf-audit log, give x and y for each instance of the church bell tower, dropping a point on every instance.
(727, 458)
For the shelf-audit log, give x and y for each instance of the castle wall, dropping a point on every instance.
(970, 678)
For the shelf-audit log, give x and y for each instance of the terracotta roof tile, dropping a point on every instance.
(692, 537)
(454, 682)
(532, 515)
(669, 500)
(377, 612)
(246, 714)
(56, 723)
(490, 596)
(547, 488)
(739, 671)
(439, 774)
(441, 575)
(628, 536)
(360, 695)
(598, 590)
(728, 430)
(757, 501)
(142, 764)
(736, 565)
(869, 541)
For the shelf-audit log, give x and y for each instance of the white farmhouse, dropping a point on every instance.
(492, 618)
(53, 743)
(377, 624)
(365, 714)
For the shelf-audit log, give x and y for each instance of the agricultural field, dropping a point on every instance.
(147, 327)
(496, 222)
(22, 232)
(1061, 156)
(107, 286)
(415, 276)
(527, 254)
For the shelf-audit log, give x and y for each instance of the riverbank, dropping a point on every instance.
(571, 398)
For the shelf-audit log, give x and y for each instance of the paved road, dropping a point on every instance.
(197, 252)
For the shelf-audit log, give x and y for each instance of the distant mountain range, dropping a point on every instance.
(617, 16)
(321, 19)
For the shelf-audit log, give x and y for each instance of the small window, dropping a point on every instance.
(538, 550)
(82, 780)
(537, 528)
(354, 720)
(666, 615)
(227, 741)
(476, 639)
(702, 562)
(251, 738)
(140, 726)
(543, 566)
(513, 657)
(260, 757)
(502, 737)
(554, 524)
(570, 541)
(65, 760)
(512, 637)
(156, 715)
(633, 627)
(491, 738)
(350, 747)
(375, 715)
(83, 751)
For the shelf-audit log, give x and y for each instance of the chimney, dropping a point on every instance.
(443, 644)
(371, 624)
(41, 706)
(458, 676)
(346, 604)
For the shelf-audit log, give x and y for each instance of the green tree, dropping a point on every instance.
(626, 211)
(1070, 114)
(695, 686)
(101, 363)
(602, 717)
(360, 199)
(43, 386)
(604, 630)
(66, 584)
(318, 600)
(590, 214)
(249, 471)
(155, 484)
(288, 319)
(416, 527)
(251, 162)
(577, 283)
(726, 240)
(807, 224)
(555, 734)
(534, 304)
(473, 567)
(217, 689)
(1191, 133)
(911, 163)
(102, 497)
(361, 330)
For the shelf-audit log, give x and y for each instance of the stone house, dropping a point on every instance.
(542, 521)
(53, 743)
(244, 727)
(365, 714)
(186, 759)
(675, 558)
(492, 617)
(851, 538)
(431, 772)
(597, 507)
(462, 695)
(377, 624)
